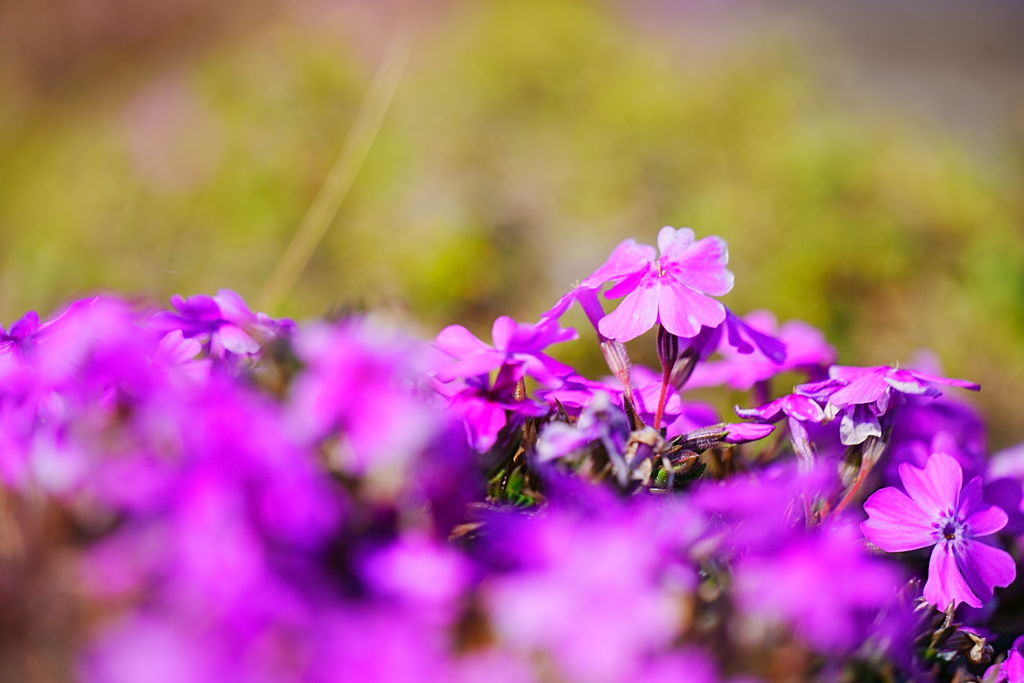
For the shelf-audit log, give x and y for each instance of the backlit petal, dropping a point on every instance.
(683, 311)
(672, 242)
(458, 342)
(936, 488)
(480, 364)
(635, 315)
(628, 257)
(702, 266)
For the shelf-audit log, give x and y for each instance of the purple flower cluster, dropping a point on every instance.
(253, 501)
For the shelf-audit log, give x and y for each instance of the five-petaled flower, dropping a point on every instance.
(670, 290)
(935, 511)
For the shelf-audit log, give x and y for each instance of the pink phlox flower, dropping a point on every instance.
(1011, 670)
(483, 407)
(876, 386)
(770, 350)
(421, 575)
(358, 384)
(670, 290)
(517, 345)
(223, 323)
(756, 512)
(22, 333)
(937, 510)
(822, 584)
(800, 411)
(598, 594)
(863, 395)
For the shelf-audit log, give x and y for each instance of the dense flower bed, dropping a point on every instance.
(253, 500)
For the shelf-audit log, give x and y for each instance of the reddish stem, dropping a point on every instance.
(861, 476)
(665, 374)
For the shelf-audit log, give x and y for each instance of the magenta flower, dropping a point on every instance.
(1011, 670)
(484, 407)
(798, 346)
(935, 511)
(670, 290)
(515, 344)
(22, 333)
(821, 584)
(224, 324)
(874, 385)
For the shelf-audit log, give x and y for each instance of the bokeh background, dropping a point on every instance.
(865, 160)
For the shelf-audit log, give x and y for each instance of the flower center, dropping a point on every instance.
(949, 527)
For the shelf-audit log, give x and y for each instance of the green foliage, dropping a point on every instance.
(526, 139)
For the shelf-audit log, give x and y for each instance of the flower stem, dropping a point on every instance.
(666, 373)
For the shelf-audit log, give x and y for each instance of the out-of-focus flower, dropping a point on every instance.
(424, 577)
(822, 584)
(1004, 485)
(359, 385)
(935, 511)
(598, 594)
(771, 350)
(757, 511)
(224, 324)
(669, 290)
(21, 334)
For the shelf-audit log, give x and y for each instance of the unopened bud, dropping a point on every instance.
(668, 348)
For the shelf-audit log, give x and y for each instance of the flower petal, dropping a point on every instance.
(772, 348)
(867, 388)
(986, 521)
(895, 522)
(702, 266)
(234, 339)
(628, 257)
(935, 379)
(480, 364)
(458, 342)
(502, 331)
(985, 567)
(857, 424)
(945, 582)
(483, 421)
(635, 315)
(769, 411)
(744, 432)
(672, 242)
(936, 488)
(627, 284)
(803, 408)
(683, 311)
(906, 382)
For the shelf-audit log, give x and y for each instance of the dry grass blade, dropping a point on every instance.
(341, 176)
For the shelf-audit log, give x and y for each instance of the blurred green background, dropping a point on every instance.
(863, 160)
